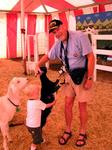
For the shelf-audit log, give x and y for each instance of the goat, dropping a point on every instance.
(8, 105)
(48, 88)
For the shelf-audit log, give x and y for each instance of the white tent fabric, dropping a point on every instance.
(3, 35)
(28, 7)
(46, 6)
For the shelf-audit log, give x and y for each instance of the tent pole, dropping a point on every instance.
(47, 33)
(23, 36)
(44, 6)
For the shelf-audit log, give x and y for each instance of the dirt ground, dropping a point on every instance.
(99, 113)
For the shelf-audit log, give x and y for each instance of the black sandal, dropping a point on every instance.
(65, 140)
(83, 140)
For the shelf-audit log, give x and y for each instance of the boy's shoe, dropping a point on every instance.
(33, 148)
(30, 148)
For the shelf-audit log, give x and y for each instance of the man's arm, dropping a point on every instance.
(90, 71)
(91, 65)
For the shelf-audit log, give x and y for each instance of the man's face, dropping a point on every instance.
(60, 33)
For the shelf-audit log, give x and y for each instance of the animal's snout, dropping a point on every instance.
(43, 69)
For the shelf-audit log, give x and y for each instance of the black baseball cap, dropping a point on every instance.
(54, 24)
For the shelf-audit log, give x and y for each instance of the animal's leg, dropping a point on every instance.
(8, 133)
(4, 130)
(45, 114)
(5, 142)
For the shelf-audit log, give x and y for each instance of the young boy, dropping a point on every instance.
(33, 118)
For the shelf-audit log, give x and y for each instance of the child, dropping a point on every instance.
(34, 109)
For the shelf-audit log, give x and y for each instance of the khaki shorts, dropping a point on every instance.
(76, 91)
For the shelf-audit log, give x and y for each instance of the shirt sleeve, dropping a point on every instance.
(85, 44)
(53, 53)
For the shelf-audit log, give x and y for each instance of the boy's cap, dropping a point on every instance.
(54, 24)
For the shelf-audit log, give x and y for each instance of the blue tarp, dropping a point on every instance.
(94, 17)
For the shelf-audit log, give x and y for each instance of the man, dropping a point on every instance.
(74, 50)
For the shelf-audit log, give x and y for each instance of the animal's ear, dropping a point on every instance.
(13, 80)
(11, 88)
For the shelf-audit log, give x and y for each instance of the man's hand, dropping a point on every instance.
(88, 84)
(37, 70)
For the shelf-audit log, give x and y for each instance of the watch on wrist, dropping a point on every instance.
(89, 78)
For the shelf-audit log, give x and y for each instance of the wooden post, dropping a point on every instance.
(23, 36)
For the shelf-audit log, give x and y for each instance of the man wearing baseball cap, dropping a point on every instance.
(73, 48)
(54, 24)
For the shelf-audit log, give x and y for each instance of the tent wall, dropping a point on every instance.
(10, 37)
(3, 35)
(12, 34)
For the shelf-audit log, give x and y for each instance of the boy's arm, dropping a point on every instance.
(50, 104)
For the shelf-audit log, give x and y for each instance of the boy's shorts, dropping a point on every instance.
(36, 134)
(76, 91)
